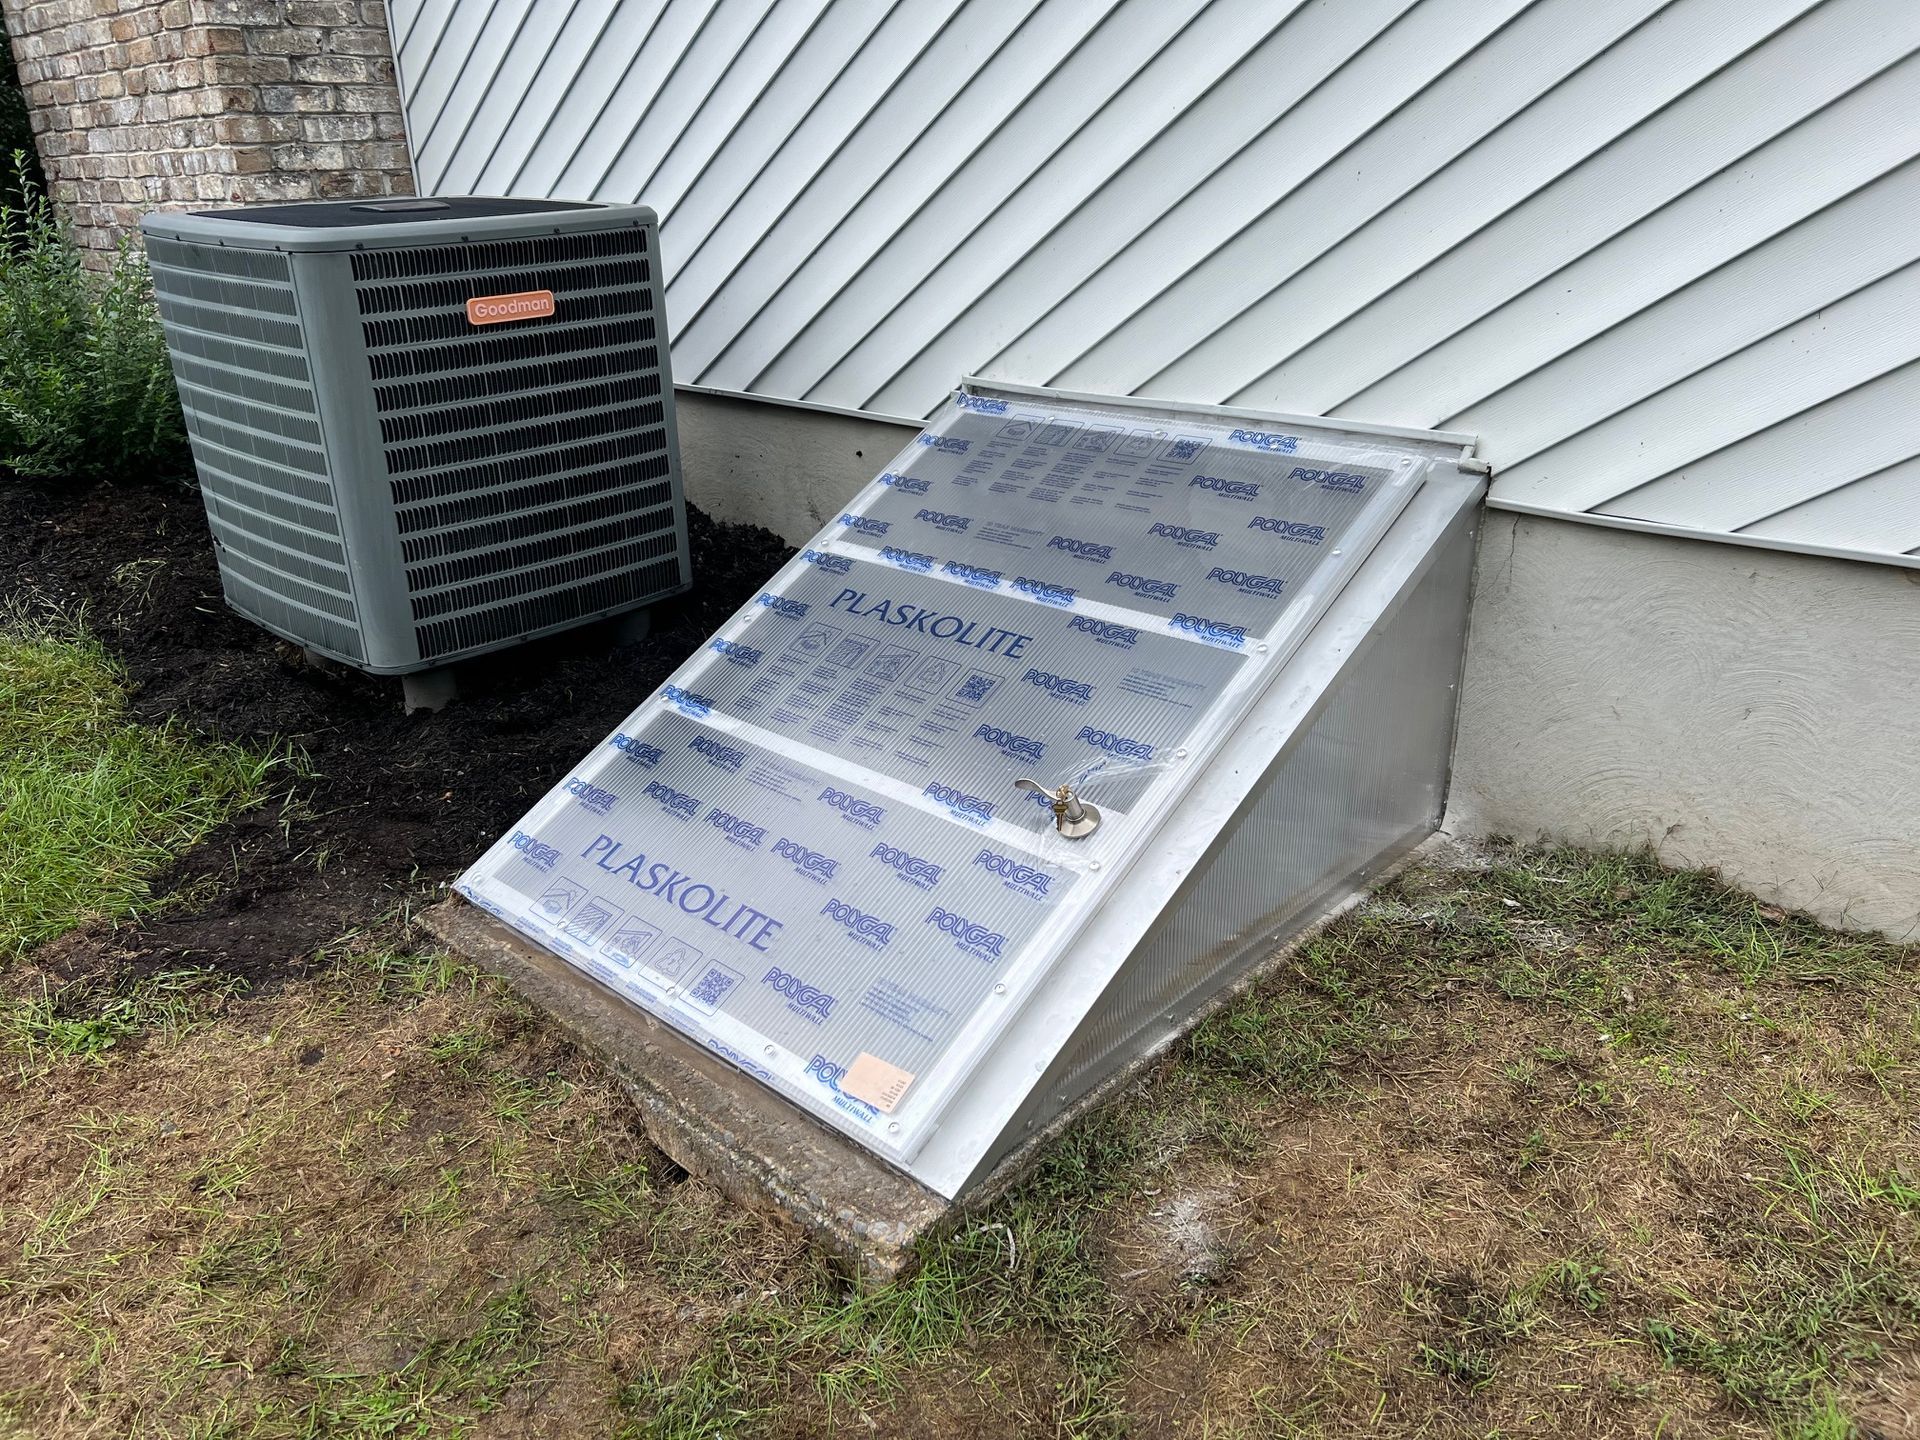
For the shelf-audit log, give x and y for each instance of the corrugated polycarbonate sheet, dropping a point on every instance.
(807, 849)
(1631, 246)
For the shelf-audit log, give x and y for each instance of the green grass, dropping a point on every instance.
(91, 803)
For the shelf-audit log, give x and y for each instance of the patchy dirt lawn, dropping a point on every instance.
(1533, 1143)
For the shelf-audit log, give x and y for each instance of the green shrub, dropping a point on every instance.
(86, 391)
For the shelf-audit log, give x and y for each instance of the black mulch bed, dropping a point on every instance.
(397, 803)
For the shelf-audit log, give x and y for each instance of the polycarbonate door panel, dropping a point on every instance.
(808, 851)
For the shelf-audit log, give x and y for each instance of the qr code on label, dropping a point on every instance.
(712, 987)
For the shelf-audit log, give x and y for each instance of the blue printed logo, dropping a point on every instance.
(1145, 586)
(810, 863)
(1080, 549)
(1074, 692)
(1181, 535)
(1105, 632)
(592, 797)
(860, 812)
(1115, 744)
(946, 444)
(674, 802)
(980, 404)
(861, 525)
(1330, 479)
(781, 605)
(820, 560)
(1232, 489)
(1214, 632)
(535, 851)
(1043, 592)
(911, 868)
(743, 833)
(1247, 583)
(906, 559)
(803, 999)
(1017, 747)
(952, 524)
(725, 756)
(1017, 874)
(686, 701)
(867, 929)
(970, 808)
(638, 751)
(905, 484)
(1265, 440)
(1289, 529)
(974, 575)
(830, 1075)
(969, 936)
(739, 654)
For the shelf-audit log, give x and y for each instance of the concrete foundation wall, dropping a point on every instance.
(780, 466)
(1749, 710)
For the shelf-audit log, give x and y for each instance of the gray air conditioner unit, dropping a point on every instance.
(427, 428)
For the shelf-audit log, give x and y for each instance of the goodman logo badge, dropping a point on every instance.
(686, 701)
(1105, 632)
(1181, 535)
(952, 524)
(1145, 586)
(922, 874)
(725, 756)
(739, 654)
(638, 751)
(1266, 586)
(869, 930)
(1289, 529)
(1017, 874)
(820, 560)
(535, 851)
(1080, 549)
(592, 797)
(1329, 479)
(674, 802)
(806, 1001)
(1114, 744)
(497, 309)
(974, 575)
(1232, 489)
(976, 940)
(810, 863)
(1214, 632)
(743, 833)
(1016, 747)
(1074, 692)
(980, 404)
(905, 484)
(946, 444)
(1265, 440)
(970, 808)
(906, 559)
(1043, 592)
(858, 811)
(861, 525)
(781, 605)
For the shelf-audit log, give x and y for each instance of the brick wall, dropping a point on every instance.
(142, 104)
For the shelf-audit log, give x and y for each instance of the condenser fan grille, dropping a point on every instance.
(526, 459)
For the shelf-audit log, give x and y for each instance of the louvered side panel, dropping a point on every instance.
(239, 361)
(1651, 251)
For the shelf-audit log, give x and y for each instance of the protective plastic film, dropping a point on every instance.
(807, 850)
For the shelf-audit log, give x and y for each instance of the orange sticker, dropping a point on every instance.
(873, 1080)
(527, 305)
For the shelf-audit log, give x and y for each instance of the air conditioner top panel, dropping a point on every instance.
(396, 220)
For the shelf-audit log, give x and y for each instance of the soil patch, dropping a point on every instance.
(394, 803)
